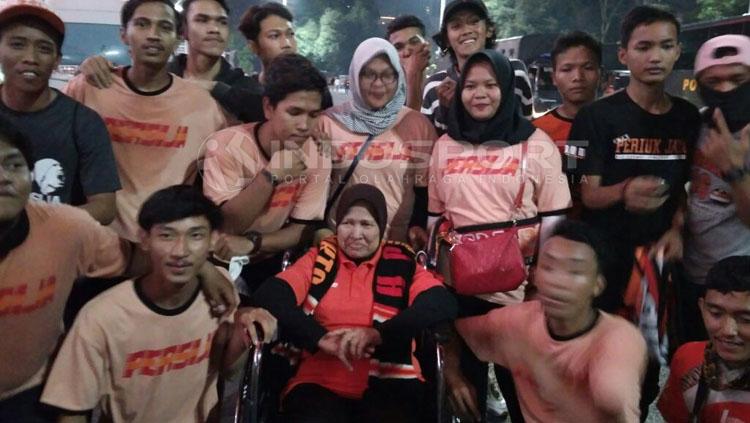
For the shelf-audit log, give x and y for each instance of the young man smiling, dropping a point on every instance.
(74, 163)
(43, 249)
(710, 381)
(157, 121)
(168, 372)
(205, 25)
(467, 28)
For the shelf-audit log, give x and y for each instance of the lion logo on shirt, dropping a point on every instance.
(49, 177)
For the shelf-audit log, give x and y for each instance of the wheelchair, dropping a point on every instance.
(252, 402)
(251, 406)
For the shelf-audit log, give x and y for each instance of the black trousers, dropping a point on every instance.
(392, 401)
(475, 370)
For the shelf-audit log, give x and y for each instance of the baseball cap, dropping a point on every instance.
(451, 8)
(10, 9)
(455, 5)
(723, 50)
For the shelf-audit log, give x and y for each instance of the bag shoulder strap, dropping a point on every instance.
(348, 175)
(701, 395)
(524, 163)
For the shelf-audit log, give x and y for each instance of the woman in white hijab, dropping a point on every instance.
(393, 142)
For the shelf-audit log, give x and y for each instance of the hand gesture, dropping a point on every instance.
(98, 71)
(446, 90)
(722, 149)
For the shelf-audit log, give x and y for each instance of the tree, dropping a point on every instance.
(715, 9)
(330, 40)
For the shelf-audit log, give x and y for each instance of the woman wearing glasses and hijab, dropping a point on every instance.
(377, 140)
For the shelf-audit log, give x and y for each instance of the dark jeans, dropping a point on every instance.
(476, 371)
(25, 407)
(392, 401)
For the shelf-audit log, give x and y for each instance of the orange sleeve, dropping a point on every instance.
(435, 204)
(227, 167)
(311, 204)
(299, 275)
(422, 146)
(103, 254)
(671, 403)
(484, 334)
(616, 373)
(552, 193)
(76, 88)
(79, 376)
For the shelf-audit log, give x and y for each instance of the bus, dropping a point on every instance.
(682, 82)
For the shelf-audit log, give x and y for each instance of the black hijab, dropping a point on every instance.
(508, 125)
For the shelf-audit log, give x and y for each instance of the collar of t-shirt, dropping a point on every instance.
(578, 334)
(557, 114)
(137, 285)
(16, 235)
(52, 103)
(227, 74)
(124, 75)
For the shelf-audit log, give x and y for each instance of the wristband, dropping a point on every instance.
(256, 238)
(272, 179)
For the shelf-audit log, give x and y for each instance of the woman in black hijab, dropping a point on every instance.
(492, 167)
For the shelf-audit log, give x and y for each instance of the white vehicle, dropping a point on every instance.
(92, 27)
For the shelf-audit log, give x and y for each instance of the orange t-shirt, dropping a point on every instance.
(36, 277)
(156, 138)
(478, 184)
(234, 159)
(348, 303)
(162, 374)
(556, 126)
(678, 397)
(395, 162)
(590, 378)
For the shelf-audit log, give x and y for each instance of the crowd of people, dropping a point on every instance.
(573, 256)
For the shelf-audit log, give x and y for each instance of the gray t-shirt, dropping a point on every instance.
(714, 230)
(72, 152)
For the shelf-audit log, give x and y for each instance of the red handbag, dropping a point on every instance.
(488, 258)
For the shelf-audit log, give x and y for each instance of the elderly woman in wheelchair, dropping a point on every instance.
(354, 306)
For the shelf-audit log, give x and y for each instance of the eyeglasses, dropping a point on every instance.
(387, 78)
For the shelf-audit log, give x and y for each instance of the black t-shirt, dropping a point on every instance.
(621, 141)
(72, 152)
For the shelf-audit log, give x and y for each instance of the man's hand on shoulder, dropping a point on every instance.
(98, 71)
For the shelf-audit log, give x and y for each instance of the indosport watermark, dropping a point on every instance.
(231, 159)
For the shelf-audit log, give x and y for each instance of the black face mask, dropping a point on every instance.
(734, 105)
